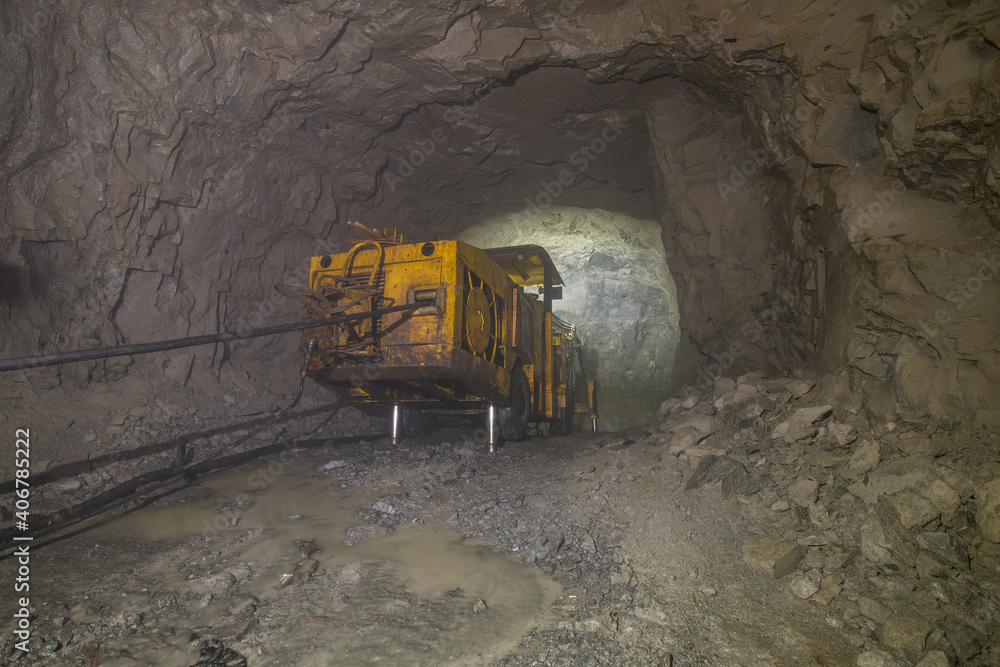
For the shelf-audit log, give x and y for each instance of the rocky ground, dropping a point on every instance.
(759, 522)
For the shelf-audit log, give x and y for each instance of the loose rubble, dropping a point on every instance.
(705, 538)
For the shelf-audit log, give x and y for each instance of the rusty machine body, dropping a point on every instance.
(472, 342)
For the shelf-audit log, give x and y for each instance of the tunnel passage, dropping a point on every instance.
(618, 292)
(183, 159)
(653, 149)
(825, 178)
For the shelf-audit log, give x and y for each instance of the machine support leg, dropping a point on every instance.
(491, 428)
(592, 402)
(395, 423)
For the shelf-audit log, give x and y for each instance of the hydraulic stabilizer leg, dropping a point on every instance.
(395, 423)
(592, 402)
(491, 428)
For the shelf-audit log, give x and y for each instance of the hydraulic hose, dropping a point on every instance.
(176, 343)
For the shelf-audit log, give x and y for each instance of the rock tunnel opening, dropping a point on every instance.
(618, 292)
(816, 193)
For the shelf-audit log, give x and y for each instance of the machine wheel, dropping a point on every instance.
(513, 419)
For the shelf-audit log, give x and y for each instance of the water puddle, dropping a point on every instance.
(394, 598)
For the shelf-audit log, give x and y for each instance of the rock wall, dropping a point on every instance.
(163, 165)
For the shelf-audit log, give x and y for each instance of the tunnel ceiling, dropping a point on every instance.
(825, 173)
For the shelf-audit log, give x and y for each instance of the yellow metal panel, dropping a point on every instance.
(548, 379)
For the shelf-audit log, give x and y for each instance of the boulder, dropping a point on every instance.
(800, 423)
(728, 473)
(773, 556)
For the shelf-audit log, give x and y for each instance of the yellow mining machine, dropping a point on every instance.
(465, 336)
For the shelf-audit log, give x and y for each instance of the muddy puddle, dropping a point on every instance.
(290, 568)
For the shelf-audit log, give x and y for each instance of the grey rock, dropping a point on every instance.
(803, 492)
(773, 556)
(819, 516)
(914, 443)
(221, 580)
(383, 507)
(359, 533)
(63, 486)
(479, 607)
(877, 658)
(964, 638)
(988, 510)
(800, 388)
(946, 547)
(872, 365)
(934, 659)
(865, 456)
(307, 547)
(723, 385)
(804, 584)
(723, 470)
(873, 609)
(843, 434)
(541, 548)
(234, 506)
(332, 465)
(915, 474)
(907, 631)
(913, 510)
(801, 421)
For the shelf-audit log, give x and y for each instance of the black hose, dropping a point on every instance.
(176, 343)
(121, 494)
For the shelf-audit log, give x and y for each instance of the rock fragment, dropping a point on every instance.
(864, 458)
(804, 492)
(800, 425)
(934, 659)
(907, 631)
(988, 512)
(773, 556)
(383, 507)
(800, 388)
(945, 547)
(727, 472)
(877, 658)
(804, 585)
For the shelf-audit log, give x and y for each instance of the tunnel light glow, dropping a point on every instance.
(618, 291)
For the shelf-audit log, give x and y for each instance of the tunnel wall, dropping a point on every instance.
(163, 165)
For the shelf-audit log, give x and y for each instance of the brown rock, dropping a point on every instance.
(904, 631)
(773, 556)
(988, 512)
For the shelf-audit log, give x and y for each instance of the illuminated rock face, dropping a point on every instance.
(827, 185)
(619, 291)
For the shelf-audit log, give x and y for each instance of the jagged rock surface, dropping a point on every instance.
(826, 174)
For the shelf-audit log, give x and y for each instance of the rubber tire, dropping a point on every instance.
(513, 418)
